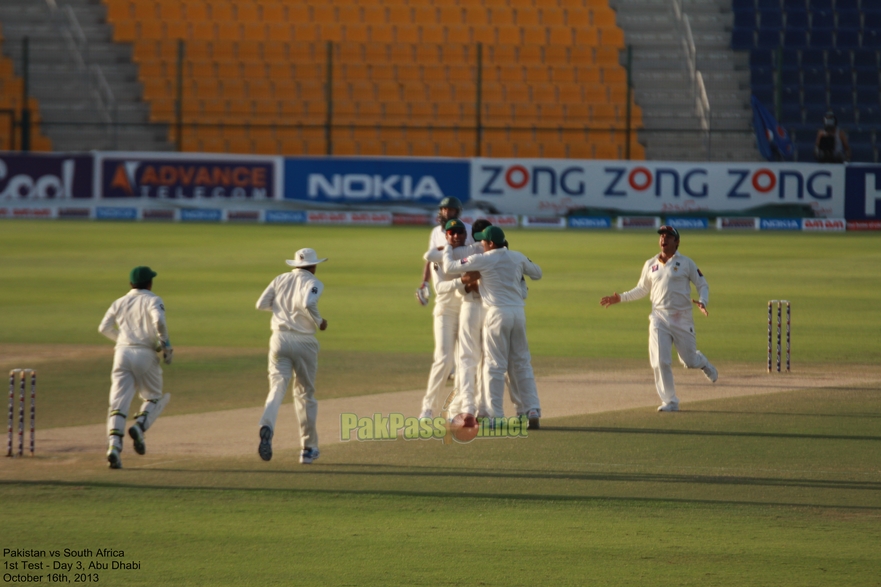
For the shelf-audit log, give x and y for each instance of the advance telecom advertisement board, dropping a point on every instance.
(185, 176)
(350, 180)
(555, 186)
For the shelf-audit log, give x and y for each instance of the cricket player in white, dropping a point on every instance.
(447, 305)
(293, 350)
(668, 277)
(468, 340)
(136, 322)
(504, 330)
(448, 209)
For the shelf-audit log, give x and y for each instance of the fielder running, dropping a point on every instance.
(504, 330)
(136, 322)
(668, 277)
(293, 350)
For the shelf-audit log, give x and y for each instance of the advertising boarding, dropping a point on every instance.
(45, 177)
(359, 181)
(172, 176)
(554, 186)
(863, 193)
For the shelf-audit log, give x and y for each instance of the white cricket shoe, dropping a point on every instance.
(711, 373)
(425, 415)
(671, 407)
(307, 455)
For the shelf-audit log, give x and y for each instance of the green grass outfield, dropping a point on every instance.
(782, 489)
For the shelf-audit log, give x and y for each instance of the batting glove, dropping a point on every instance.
(423, 293)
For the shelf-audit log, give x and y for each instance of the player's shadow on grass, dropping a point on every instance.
(335, 492)
(674, 432)
(795, 414)
(462, 473)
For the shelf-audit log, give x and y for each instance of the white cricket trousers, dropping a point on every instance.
(134, 369)
(445, 328)
(469, 393)
(666, 330)
(505, 349)
(293, 355)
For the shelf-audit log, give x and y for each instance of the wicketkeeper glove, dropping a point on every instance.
(423, 293)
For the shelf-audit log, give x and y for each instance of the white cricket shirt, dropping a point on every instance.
(137, 319)
(293, 300)
(669, 284)
(501, 274)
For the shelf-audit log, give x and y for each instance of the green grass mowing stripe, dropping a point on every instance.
(59, 278)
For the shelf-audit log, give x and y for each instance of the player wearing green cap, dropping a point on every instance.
(504, 328)
(136, 322)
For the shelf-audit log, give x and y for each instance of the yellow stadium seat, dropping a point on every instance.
(578, 17)
(588, 75)
(552, 16)
(118, 10)
(582, 55)
(176, 29)
(476, 15)
(516, 93)
(485, 34)
(500, 16)
(551, 112)
(372, 14)
(298, 13)
(425, 15)
(195, 10)
(431, 33)
(603, 17)
(458, 34)
(304, 32)
(530, 55)
(450, 15)
(586, 37)
(369, 147)
(612, 37)
(144, 10)
(527, 16)
(428, 54)
(322, 13)
(544, 93)
(399, 14)
(247, 12)
(221, 11)
(509, 34)
(606, 56)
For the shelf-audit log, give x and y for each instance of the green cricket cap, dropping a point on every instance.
(456, 225)
(141, 275)
(493, 234)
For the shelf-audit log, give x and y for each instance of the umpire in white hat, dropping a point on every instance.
(293, 350)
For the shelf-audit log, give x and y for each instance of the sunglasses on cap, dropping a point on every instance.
(667, 229)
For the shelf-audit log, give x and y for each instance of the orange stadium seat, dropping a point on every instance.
(404, 62)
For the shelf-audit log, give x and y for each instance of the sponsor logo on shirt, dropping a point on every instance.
(463, 261)
(315, 290)
(699, 273)
(654, 268)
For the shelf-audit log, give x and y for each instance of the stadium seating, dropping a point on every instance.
(827, 52)
(10, 109)
(403, 75)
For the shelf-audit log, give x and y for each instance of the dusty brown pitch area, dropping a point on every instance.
(234, 432)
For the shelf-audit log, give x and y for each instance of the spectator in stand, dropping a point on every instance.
(831, 145)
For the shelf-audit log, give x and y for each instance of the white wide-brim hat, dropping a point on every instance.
(305, 258)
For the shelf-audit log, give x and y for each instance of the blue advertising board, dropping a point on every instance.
(116, 213)
(590, 222)
(286, 216)
(780, 224)
(45, 177)
(688, 223)
(863, 192)
(166, 176)
(343, 180)
(201, 215)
